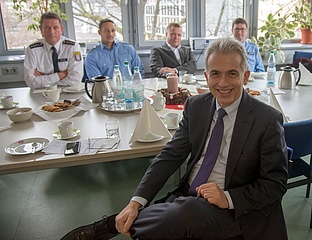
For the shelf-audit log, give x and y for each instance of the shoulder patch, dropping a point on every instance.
(68, 42)
(35, 45)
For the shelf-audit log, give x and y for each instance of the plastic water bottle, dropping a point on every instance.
(271, 70)
(138, 88)
(128, 92)
(127, 74)
(118, 87)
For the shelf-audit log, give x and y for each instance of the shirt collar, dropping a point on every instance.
(231, 110)
(57, 45)
(104, 46)
(173, 48)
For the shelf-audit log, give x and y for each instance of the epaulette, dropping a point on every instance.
(35, 45)
(68, 42)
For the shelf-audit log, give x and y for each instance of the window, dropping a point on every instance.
(276, 7)
(220, 15)
(15, 34)
(155, 15)
(87, 15)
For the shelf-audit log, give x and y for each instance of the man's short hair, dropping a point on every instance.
(50, 15)
(227, 45)
(171, 25)
(105, 20)
(239, 21)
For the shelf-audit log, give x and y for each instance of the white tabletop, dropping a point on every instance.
(90, 123)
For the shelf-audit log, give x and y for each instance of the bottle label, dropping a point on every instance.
(118, 92)
(138, 94)
(271, 76)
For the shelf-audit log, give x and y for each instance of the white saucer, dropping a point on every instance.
(174, 128)
(151, 140)
(68, 90)
(190, 83)
(199, 78)
(13, 106)
(57, 134)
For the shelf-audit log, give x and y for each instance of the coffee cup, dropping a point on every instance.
(172, 83)
(7, 101)
(188, 78)
(66, 129)
(53, 95)
(52, 87)
(172, 120)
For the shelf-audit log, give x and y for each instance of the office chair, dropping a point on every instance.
(304, 58)
(298, 136)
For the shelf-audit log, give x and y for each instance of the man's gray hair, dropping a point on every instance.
(50, 15)
(227, 45)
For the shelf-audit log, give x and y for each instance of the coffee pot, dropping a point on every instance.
(101, 87)
(159, 101)
(287, 78)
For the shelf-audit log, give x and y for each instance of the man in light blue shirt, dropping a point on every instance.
(240, 31)
(101, 59)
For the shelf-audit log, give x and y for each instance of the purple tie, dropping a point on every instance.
(211, 154)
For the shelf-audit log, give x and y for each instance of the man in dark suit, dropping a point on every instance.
(171, 57)
(242, 196)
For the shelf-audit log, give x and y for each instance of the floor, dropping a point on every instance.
(48, 203)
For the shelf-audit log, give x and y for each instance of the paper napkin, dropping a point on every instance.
(306, 76)
(84, 105)
(274, 103)
(149, 126)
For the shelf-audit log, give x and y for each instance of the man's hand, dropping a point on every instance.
(62, 75)
(213, 194)
(126, 217)
(37, 73)
(167, 70)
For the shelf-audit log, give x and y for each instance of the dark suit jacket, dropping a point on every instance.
(256, 171)
(162, 56)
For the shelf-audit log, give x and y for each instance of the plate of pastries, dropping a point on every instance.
(61, 105)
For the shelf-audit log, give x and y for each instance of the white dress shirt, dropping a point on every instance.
(39, 56)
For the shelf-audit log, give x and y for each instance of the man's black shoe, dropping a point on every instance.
(94, 231)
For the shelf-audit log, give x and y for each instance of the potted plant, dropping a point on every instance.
(302, 16)
(275, 29)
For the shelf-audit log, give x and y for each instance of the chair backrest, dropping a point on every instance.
(298, 136)
(304, 58)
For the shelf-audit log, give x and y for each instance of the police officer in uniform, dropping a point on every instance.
(54, 58)
(240, 31)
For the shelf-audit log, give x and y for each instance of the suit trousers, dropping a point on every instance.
(185, 217)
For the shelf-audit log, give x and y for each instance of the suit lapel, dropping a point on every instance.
(199, 135)
(242, 127)
(171, 54)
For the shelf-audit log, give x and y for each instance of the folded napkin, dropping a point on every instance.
(84, 105)
(306, 76)
(274, 103)
(149, 126)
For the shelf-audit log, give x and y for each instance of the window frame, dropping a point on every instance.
(133, 26)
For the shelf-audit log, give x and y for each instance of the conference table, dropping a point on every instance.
(296, 104)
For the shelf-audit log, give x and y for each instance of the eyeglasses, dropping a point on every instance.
(240, 29)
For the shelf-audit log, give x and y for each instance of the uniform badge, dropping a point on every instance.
(250, 53)
(77, 56)
(35, 45)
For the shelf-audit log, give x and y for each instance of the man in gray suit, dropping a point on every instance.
(171, 57)
(242, 196)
